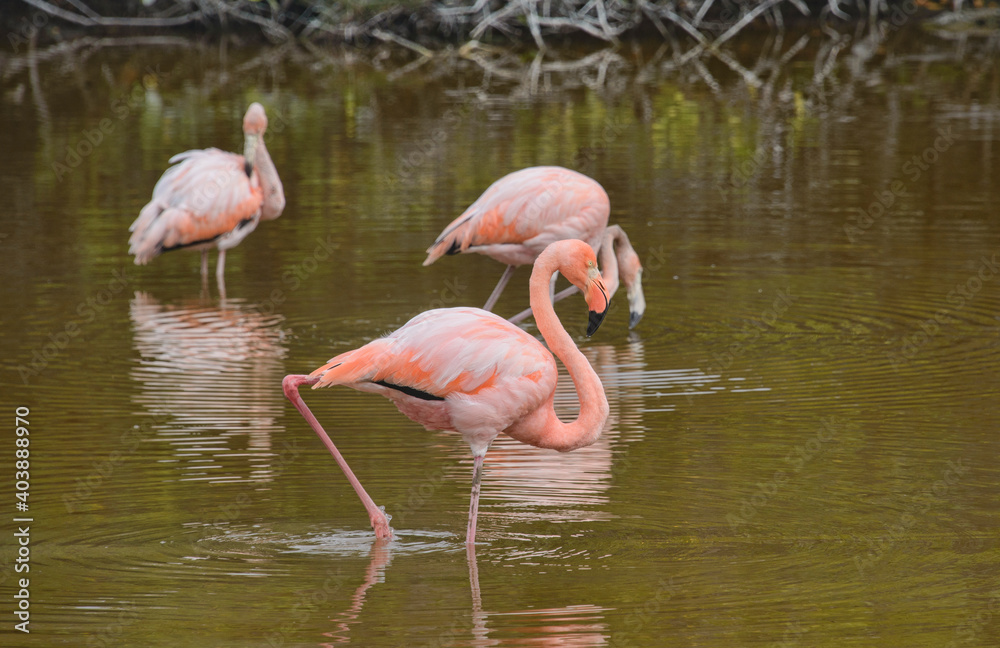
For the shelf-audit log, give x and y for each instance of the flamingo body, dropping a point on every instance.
(523, 212)
(468, 370)
(188, 212)
(210, 198)
(461, 369)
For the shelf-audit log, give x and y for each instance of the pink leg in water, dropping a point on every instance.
(495, 295)
(291, 386)
(477, 478)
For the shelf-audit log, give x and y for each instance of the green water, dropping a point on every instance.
(803, 434)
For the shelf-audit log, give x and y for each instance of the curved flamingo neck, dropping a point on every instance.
(608, 261)
(593, 402)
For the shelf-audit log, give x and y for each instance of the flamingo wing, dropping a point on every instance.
(520, 214)
(485, 371)
(206, 195)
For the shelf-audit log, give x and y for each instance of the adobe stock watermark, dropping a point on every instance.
(958, 297)
(228, 513)
(121, 107)
(294, 276)
(111, 634)
(587, 155)
(102, 471)
(752, 330)
(418, 496)
(428, 148)
(87, 312)
(933, 495)
(913, 169)
(972, 628)
(792, 636)
(898, 15)
(26, 30)
(308, 602)
(748, 170)
(796, 459)
(640, 618)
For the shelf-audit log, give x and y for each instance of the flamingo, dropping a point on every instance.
(473, 372)
(520, 214)
(211, 199)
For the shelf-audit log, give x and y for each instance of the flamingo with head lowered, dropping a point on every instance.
(211, 199)
(523, 212)
(470, 371)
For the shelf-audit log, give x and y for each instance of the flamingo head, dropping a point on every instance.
(254, 125)
(579, 265)
(597, 298)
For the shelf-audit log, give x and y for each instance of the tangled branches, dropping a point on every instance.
(709, 22)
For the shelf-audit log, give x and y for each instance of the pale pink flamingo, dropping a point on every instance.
(211, 199)
(520, 214)
(470, 371)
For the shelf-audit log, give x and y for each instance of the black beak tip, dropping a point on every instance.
(633, 319)
(594, 321)
(248, 168)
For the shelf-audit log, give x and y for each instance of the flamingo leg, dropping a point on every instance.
(504, 278)
(204, 264)
(220, 267)
(562, 294)
(477, 478)
(220, 274)
(291, 384)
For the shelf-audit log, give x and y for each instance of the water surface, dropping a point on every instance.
(802, 441)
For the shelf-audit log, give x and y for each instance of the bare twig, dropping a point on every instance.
(835, 9)
(88, 21)
(84, 9)
(269, 26)
(493, 19)
(536, 32)
(746, 20)
(705, 6)
(389, 37)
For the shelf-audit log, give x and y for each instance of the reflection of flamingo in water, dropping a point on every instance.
(534, 484)
(184, 349)
(529, 478)
(381, 556)
(520, 214)
(211, 199)
(470, 371)
(581, 626)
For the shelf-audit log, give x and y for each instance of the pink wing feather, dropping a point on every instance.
(204, 196)
(520, 214)
(446, 359)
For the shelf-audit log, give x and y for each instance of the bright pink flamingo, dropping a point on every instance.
(211, 199)
(520, 214)
(468, 370)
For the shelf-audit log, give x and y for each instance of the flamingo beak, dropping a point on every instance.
(250, 152)
(636, 301)
(594, 322)
(597, 301)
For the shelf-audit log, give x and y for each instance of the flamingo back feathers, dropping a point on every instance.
(204, 196)
(487, 370)
(520, 214)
